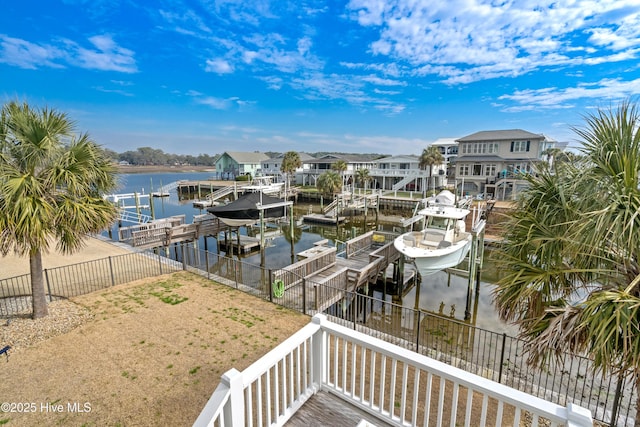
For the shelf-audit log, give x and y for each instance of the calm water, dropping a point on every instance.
(439, 292)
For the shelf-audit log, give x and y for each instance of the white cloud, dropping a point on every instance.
(219, 66)
(470, 40)
(187, 18)
(273, 82)
(320, 86)
(275, 50)
(220, 103)
(117, 91)
(557, 98)
(107, 55)
(216, 103)
(382, 82)
(24, 54)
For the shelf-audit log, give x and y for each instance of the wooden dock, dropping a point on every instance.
(325, 278)
(167, 231)
(240, 244)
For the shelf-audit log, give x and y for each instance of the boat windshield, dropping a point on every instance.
(438, 223)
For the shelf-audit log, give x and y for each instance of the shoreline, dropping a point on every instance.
(163, 169)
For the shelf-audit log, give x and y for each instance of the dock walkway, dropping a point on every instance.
(168, 231)
(325, 278)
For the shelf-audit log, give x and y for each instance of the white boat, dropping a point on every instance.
(442, 243)
(265, 185)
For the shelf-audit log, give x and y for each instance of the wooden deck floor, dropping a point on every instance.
(324, 409)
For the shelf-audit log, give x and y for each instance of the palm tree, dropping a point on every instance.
(329, 183)
(51, 182)
(290, 162)
(551, 154)
(363, 177)
(340, 166)
(430, 157)
(572, 271)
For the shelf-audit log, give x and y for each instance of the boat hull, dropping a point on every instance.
(429, 261)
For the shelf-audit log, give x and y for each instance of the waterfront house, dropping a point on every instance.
(448, 147)
(234, 163)
(403, 173)
(271, 167)
(493, 162)
(325, 163)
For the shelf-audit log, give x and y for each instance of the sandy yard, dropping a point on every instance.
(95, 248)
(146, 353)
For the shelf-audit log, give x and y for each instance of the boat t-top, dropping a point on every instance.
(264, 184)
(442, 243)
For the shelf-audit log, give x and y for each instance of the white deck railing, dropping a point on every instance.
(396, 385)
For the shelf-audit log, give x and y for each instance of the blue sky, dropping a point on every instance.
(359, 76)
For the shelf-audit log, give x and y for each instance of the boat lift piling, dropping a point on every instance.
(476, 256)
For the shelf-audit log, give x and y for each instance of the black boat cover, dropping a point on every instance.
(245, 208)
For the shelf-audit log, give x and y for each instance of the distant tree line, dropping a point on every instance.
(147, 156)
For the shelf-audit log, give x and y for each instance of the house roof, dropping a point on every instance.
(246, 157)
(444, 142)
(399, 159)
(349, 158)
(303, 156)
(499, 135)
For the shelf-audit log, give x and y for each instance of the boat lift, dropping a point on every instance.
(132, 212)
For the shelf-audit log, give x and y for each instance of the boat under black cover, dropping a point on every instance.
(245, 209)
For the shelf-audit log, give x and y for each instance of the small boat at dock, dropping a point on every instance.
(442, 243)
(264, 184)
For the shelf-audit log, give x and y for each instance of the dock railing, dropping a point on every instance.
(393, 384)
(293, 275)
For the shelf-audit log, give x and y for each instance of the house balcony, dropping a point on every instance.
(323, 368)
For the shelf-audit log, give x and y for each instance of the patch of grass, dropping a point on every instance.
(242, 316)
(126, 374)
(192, 371)
(171, 299)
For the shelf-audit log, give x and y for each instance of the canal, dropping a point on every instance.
(443, 293)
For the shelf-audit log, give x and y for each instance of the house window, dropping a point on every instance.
(520, 146)
(478, 148)
(490, 170)
(464, 170)
(522, 167)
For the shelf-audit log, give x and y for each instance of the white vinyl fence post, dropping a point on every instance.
(234, 412)
(319, 352)
(578, 416)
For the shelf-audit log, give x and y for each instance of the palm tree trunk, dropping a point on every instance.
(38, 295)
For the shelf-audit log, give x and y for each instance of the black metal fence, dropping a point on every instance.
(492, 355)
(83, 278)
